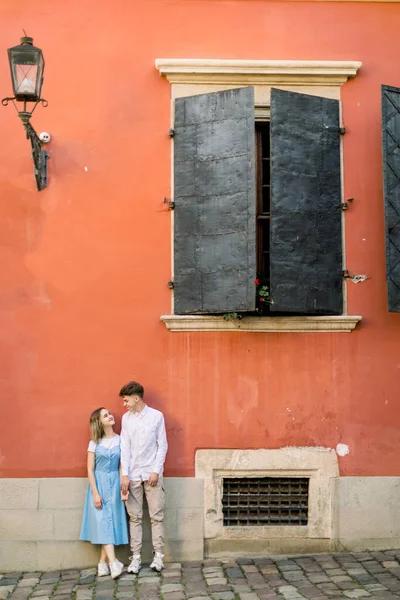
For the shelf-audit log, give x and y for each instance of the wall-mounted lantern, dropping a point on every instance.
(27, 67)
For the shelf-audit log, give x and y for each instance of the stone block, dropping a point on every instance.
(261, 547)
(358, 544)
(17, 555)
(189, 524)
(5, 591)
(28, 582)
(234, 573)
(375, 498)
(223, 595)
(67, 524)
(174, 596)
(58, 493)
(26, 525)
(184, 550)
(19, 493)
(170, 524)
(184, 492)
(66, 555)
(171, 587)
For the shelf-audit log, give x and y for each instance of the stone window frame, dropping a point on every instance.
(201, 76)
(319, 464)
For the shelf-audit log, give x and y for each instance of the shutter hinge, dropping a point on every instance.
(171, 133)
(342, 130)
(171, 285)
(171, 204)
(354, 278)
(345, 205)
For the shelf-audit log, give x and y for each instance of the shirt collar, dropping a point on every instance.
(142, 412)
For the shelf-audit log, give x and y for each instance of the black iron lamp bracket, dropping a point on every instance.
(39, 156)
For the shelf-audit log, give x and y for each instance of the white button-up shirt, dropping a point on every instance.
(143, 444)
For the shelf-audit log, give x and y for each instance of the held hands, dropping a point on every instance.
(98, 502)
(124, 486)
(153, 479)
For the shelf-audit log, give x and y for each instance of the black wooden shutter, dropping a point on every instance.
(306, 251)
(391, 186)
(214, 194)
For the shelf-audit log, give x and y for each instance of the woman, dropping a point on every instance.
(104, 518)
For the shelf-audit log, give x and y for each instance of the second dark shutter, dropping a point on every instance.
(306, 251)
(391, 185)
(214, 217)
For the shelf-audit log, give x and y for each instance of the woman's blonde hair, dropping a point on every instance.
(96, 426)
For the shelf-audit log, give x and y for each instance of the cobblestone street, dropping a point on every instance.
(312, 577)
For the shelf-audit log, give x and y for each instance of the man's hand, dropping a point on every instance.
(98, 502)
(153, 479)
(124, 484)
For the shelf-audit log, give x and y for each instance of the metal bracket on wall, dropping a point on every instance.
(171, 204)
(345, 205)
(171, 285)
(342, 130)
(354, 278)
(171, 133)
(39, 156)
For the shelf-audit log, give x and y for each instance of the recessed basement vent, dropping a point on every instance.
(265, 501)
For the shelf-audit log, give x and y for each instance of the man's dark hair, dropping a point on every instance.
(133, 388)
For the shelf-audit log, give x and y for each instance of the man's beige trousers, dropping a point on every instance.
(155, 497)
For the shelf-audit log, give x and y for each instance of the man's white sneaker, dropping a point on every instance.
(157, 563)
(116, 568)
(102, 569)
(135, 565)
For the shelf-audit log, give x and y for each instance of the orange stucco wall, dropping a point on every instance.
(84, 264)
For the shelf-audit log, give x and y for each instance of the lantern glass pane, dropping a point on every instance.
(25, 79)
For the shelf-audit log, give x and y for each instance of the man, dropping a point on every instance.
(143, 450)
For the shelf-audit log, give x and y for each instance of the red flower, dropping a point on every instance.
(257, 281)
(261, 299)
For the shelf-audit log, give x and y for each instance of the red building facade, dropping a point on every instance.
(87, 261)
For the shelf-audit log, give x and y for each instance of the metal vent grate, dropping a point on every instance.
(265, 501)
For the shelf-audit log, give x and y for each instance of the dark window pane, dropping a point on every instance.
(263, 200)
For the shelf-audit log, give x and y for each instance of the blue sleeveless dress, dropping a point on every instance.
(108, 525)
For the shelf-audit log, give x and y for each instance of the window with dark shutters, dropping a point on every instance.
(391, 185)
(215, 257)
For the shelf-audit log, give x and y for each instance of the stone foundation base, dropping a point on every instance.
(40, 521)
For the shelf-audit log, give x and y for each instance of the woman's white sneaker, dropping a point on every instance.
(102, 569)
(135, 564)
(157, 563)
(116, 568)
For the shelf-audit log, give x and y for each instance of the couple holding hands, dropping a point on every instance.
(120, 470)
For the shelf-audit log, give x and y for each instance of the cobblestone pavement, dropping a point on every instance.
(312, 577)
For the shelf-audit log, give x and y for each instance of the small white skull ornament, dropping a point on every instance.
(44, 137)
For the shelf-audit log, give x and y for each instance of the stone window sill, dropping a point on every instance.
(341, 324)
